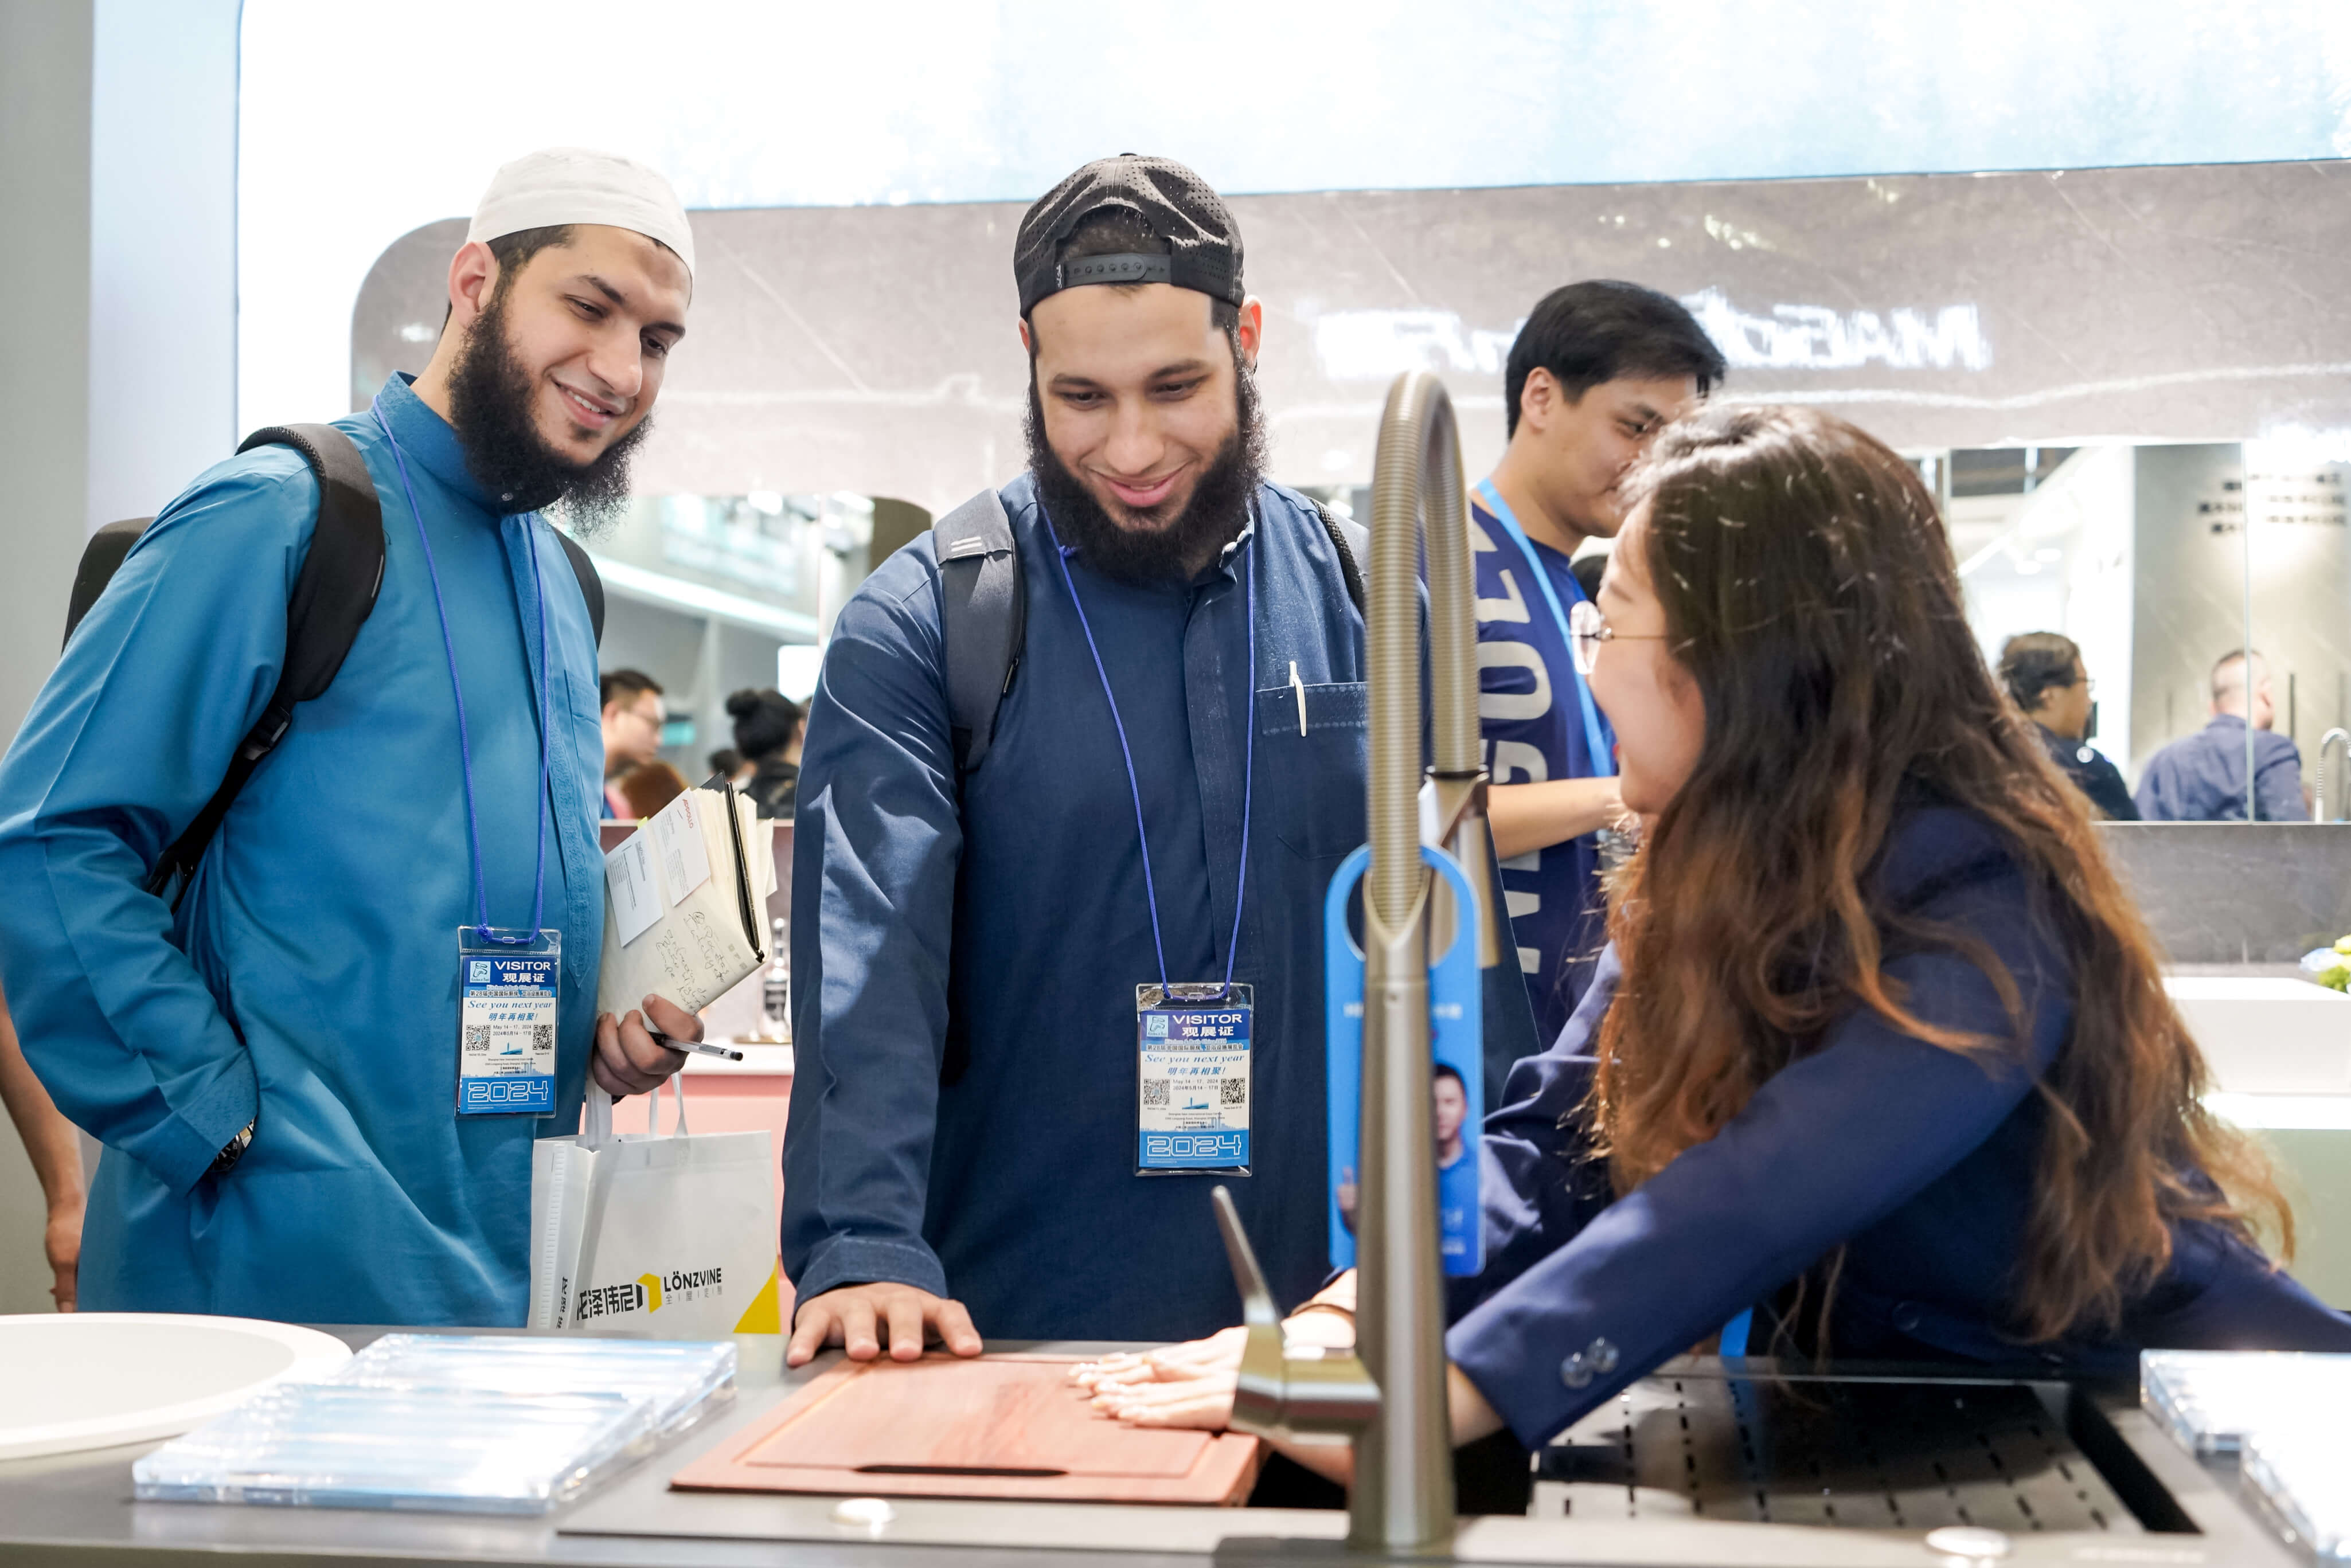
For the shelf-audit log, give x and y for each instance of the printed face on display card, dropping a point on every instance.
(1191, 1079)
(507, 1001)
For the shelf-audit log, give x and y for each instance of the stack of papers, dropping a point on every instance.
(462, 1424)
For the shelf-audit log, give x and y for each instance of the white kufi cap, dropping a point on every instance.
(576, 185)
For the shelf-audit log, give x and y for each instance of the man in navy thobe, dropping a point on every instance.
(963, 1149)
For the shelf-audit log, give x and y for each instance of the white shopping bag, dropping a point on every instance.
(654, 1237)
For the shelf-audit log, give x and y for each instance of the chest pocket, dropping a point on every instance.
(1315, 782)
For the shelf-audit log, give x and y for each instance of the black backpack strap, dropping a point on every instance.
(101, 558)
(332, 596)
(1353, 541)
(592, 586)
(985, 614)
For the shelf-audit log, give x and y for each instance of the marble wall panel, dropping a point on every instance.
(2237, 893)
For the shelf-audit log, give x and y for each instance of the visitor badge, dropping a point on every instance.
(1191, 1079)
(506, 1021)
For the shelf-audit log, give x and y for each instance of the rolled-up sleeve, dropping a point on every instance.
(126, 742)
(874, 854)
(1824, 1148)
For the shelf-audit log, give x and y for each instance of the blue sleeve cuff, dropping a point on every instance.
(839, 1260)
(182, 1148)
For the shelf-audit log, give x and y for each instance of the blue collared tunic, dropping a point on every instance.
(2201, 777)
(1921, 1162)
(308, 981)
(964, 1115)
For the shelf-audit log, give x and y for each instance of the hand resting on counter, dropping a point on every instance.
(1191, 1384)
(857, 1317)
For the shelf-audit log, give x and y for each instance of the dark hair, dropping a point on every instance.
(1810, 593)
(623, 685)
(1587, 570)
(725, 762)
(2034, 663)
(1446, 1070)
(1603, 331)
(512, 252)
(766, 721)
(1120, 231)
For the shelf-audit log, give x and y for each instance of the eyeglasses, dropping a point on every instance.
(1586, 631)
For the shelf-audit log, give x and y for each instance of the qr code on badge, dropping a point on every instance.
(477, 1036)
(542, 1037)
(1154, 1092)
(1234, 1091)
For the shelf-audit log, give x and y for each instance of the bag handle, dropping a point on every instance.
(596, 1114)
(596, 1118)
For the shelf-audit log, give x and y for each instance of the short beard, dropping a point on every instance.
(1156, 548)
(490, 397)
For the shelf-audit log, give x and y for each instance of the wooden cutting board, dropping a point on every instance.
(998, 1426)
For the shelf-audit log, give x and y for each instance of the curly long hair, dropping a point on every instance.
(1809, 590)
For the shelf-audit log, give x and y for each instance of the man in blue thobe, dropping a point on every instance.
(963, 1149)
(272, 1066)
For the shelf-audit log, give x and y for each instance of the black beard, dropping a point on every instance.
(490, 396)
(1156, 548)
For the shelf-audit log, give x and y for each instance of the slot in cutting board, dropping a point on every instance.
(999, 1426)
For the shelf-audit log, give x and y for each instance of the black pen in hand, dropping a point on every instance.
(724, 1052)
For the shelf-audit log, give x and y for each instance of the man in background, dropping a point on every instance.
(2202, 778)
(1597, 371)
(633, 716)
(2046, 678)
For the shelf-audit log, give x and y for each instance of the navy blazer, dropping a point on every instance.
(1919, 1159)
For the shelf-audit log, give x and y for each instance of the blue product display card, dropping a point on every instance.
(1457, 1079)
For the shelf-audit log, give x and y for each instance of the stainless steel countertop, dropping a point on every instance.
(78, 1509)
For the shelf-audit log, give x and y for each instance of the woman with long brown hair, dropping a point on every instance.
(1880, 1047)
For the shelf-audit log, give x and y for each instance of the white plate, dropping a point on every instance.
(93, 1380)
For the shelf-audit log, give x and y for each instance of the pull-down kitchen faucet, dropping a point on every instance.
(1389, 1398)
(2337, 741)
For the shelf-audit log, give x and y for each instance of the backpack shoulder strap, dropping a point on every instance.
(592, 585)
(333, 594)
(985, 614)
(101, 558)
(1353, 541)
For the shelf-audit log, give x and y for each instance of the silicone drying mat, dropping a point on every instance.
(1003, 1426)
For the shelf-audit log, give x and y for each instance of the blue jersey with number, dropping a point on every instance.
(1532, 720)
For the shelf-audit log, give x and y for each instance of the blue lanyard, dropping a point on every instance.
(465, 746)
(1602, 765)
(1061, 553)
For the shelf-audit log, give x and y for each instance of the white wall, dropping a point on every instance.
(118, 197)
(45, 74)
(162, 261)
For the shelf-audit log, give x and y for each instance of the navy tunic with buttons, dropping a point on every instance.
(1919, 1160)
(964, 1113)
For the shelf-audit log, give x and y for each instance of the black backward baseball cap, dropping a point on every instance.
(1203, 245)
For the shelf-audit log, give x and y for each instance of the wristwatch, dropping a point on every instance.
(232, 1152)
